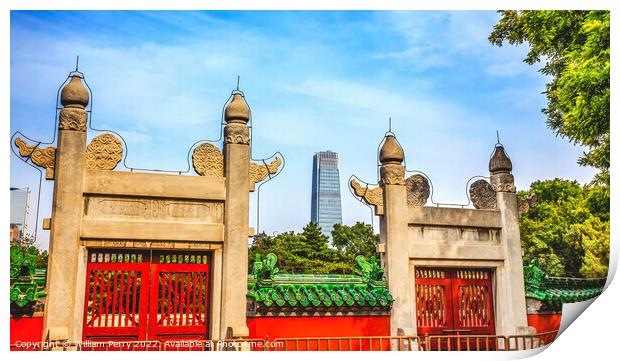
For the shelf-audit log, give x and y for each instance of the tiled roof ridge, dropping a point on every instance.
(540, 286)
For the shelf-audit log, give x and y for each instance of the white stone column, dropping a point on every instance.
(511, 306)
(394, 230)
(236, 219)
(62, 320)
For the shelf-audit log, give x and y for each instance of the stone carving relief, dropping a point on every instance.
(503, 182)
(482, 195)
(259, 172)
(371, 196)
(44, 158)
(235, 133)
(418, 190)
(392, 174)
(527, 203)
(151, 209)
(208, 161)
(104, 152)
(73, 119)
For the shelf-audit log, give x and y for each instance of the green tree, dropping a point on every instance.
(305, 252)
(567, 230)
(575, 48)
(310, 252)
(355, 240)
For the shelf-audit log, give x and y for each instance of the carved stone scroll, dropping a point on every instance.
(44, 158)
(259, 172)
(418, 190)
(371, 196)
(104, 152)
(482, 195)
(208, 161)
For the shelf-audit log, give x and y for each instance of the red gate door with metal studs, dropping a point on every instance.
(453, 302)
(142, 296)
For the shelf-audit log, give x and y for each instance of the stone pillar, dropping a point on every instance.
(236, 216)
(394, 231)
(511, 289)
(63, 314)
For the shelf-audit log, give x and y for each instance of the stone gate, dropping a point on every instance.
(451, 270)
(103, 216)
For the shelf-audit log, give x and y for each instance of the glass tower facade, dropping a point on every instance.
(326, 208)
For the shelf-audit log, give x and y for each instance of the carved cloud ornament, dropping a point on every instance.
(370, 196)
(103, 153)
(44, 158)
(482, 195)
(259, 172)
(208, 161)
(418, 190)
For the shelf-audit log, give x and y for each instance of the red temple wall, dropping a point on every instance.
(544, 322)
(323, 326)
(26, 329)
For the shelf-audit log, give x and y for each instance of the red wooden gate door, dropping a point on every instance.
(453, 302)
(116, 301)
(178, 309)
(140, 296)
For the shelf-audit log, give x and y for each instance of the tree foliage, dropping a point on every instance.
(310, 251)
(567, 231)
(575, 47)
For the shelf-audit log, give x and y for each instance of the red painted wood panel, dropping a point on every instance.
(318, 326)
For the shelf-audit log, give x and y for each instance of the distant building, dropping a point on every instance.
(19, 211)
(326, 207)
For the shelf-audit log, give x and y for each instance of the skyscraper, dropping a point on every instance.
(326, 208)
(19, 211)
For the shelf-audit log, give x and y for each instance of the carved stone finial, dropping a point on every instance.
(418, 190)
(208, 161)
(500, 163)
(482, 195)
(258, 172)
(391, 151)
(74, 94)
(44, 158)
(237, 111)
(500, 167)
(103, 153)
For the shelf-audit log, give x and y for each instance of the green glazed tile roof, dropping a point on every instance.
(299, 290)
(273, 290)
(560, 289)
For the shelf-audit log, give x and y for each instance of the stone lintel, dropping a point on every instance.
(456, 217)
(153, 185)
(133, 244)
(462, 252)
(152, 231)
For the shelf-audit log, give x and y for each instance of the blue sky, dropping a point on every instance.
(315, 81)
